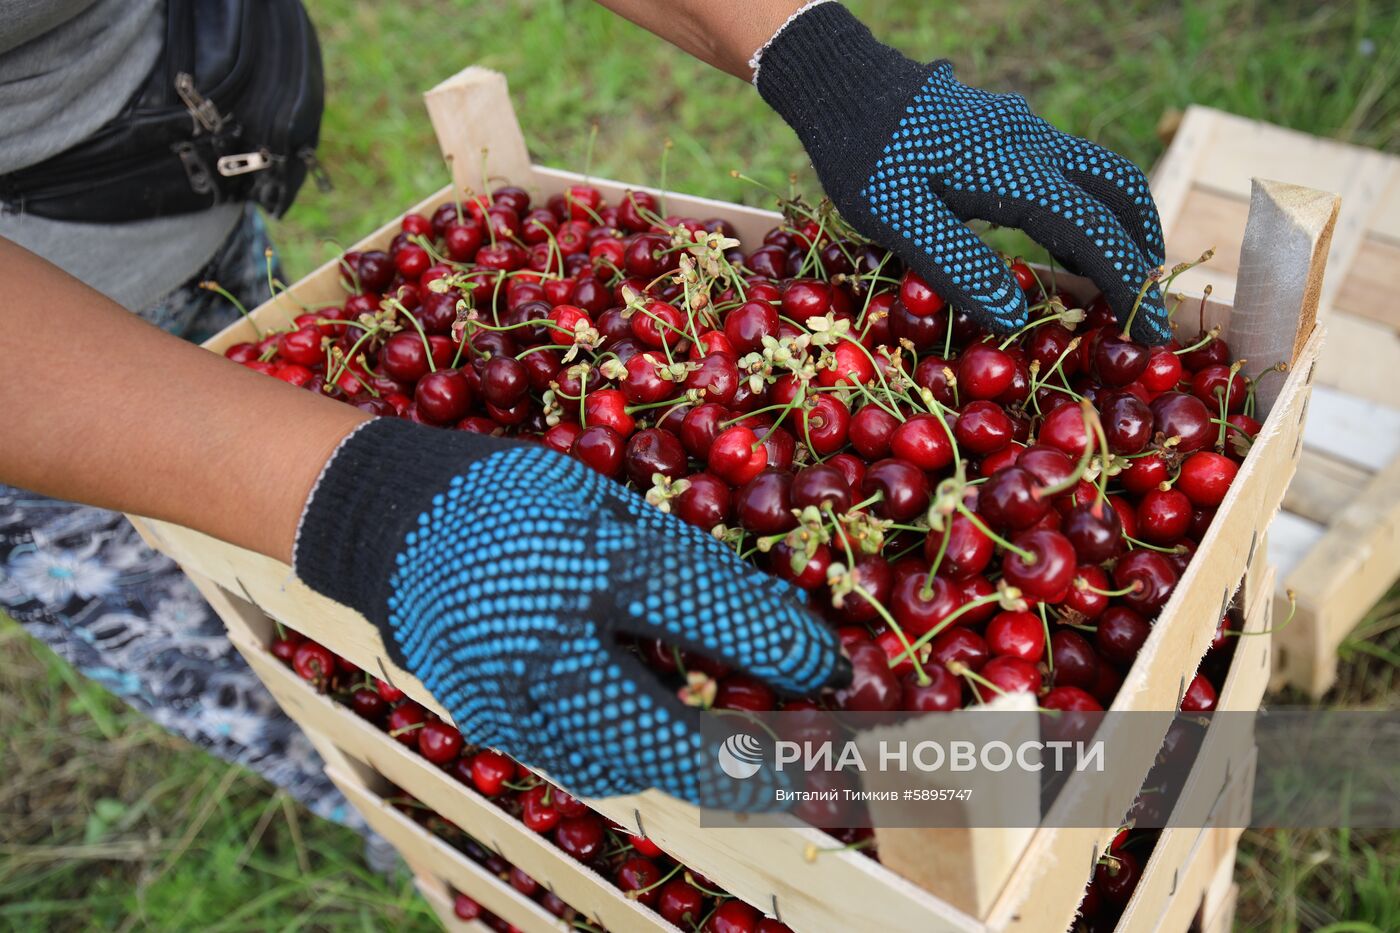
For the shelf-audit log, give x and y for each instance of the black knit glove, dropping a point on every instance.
(907, 153)
(502, 574)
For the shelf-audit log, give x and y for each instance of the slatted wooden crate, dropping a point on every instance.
(1185, 879)
(1337, 543)
(974, 879)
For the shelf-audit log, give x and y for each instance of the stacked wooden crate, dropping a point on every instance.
(973, 879)
(1337, 543)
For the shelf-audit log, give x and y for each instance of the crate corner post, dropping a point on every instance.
(477, 129)
(1281, 267)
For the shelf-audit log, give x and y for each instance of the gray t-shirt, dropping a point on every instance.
(66, 68)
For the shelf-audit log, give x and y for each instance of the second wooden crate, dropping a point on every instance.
(1337, 542)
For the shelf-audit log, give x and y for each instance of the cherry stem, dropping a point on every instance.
(926, 592)
(224, 293)
(1178, 549)
(1152, 278)
(1025, 555)
(1045, 632)
(634, 894)
(959, 669)
(909, 650)
(1082, 584)
(1205, 341)
(1292, 611)
(952, 617)
(1091, 422)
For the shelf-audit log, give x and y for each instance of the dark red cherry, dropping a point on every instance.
(1093, 528)
(1048, 573)
(1119, 361)
(1127, 423)
(705, 503)
(764, 504)
(819, 486)
(654, 451)
(1176, 414)
(902, 487)
(985, 372)
(1119, 634)
(1076, 664)
(1152, 576)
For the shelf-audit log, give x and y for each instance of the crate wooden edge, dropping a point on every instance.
(1351, 564)
(1031, 900)
(583, 888)
(1220, 762)
(421, 848)
(436, 894)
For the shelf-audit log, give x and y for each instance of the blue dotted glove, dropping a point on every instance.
(907, 154)
(503, 574)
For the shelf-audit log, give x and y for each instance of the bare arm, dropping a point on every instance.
(723, 33)
(108, 410)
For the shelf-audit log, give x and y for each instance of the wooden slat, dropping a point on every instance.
(477, 130)
(1353, 429)
(1341, 577)
(1362, 359)
(1280, 278)
(439, 898)
(1369, 291)
(584, 889)
(1290, 538)
(421, 848)
(1221, 761)
(1323, 485)
(1222, 920)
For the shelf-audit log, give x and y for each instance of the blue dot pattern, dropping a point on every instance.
(959, 153)
(508, 596)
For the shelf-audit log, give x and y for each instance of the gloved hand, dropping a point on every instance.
(907, 153)
(501, 575)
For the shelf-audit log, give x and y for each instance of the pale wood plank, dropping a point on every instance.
(1290, 538)
(1371, 289)
(1352, 429)
(1324, 485)
(439, 898)
(1340, 578)
(421, 848)
(1280, 279)
(1362, 359)
(580, 886)
(477, 130)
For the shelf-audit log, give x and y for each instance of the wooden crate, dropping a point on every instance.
(1182, 880)
(931, 879)
(1337, 543)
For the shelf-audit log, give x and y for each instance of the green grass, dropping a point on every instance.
(106, 822)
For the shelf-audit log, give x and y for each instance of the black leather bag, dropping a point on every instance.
(231, 112)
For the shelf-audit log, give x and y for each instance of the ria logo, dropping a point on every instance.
(740, 756)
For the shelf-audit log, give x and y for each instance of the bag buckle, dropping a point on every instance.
(200, 107)
(243, 162)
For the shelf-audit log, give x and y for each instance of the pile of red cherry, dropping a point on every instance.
(975, 514)
(635, 864)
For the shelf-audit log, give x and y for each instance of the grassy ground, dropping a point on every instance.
(105, 822)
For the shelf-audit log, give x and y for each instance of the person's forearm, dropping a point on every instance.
(107, 410)
(724, 33)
